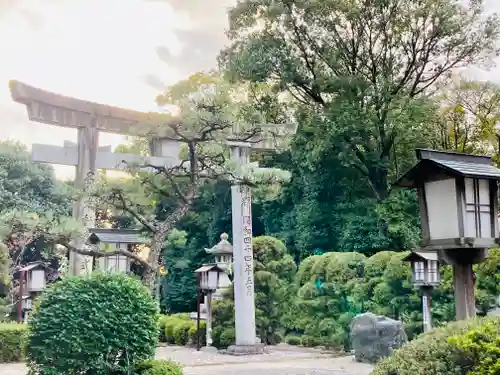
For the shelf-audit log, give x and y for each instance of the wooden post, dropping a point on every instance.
(22, 277)
(465, 300)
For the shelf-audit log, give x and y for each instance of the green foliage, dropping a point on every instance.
(293, 340)
(179, 329)
(274, 270)
(179, 285)
(181, 332)
(159, 367)
(448, 350)
(106, 322)
(481, 347)
(223, 323)
(360, 106)
(12, 337)
(352, 284)
(5, 280)
(29, 186)
(309, 341)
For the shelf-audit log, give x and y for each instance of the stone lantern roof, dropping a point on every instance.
(224, 247)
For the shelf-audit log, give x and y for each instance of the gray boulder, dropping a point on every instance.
(374, 337)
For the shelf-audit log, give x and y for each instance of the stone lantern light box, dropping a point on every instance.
(34, 277)
(115, 239)
(458, 199)
(425, 268)
(209, 275)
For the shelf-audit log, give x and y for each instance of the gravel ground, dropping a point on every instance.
(276, 362)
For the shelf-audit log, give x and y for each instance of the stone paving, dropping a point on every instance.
(279, 361)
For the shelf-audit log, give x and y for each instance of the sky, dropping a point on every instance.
(116, 52)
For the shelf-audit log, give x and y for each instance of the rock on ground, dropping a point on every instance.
(374, 337)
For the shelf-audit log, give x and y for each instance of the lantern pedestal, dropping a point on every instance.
(426, 307)
(462, 261)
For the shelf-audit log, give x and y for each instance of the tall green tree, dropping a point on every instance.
(469, 117)
(27, 186)
(358, 69)
(26, 190)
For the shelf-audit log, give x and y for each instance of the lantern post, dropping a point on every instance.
(426, 275)
(458, 196)
(208, 276)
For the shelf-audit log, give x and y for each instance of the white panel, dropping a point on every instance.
(484, 192)
(37, 280)
(486, 225)
(473, 207)
(469, 190)
(470, 224)
(122, 264)
(441, 197)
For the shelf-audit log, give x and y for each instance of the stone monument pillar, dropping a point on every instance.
(244, 299)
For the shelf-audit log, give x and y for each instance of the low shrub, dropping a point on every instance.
(105, 323)
(161, 324)
(309, 341)
(293, 340)
(11, 342)
(481, 348)
(460, 348)
(159, 367)
(181, 332)
(223, 337)
(193, 337)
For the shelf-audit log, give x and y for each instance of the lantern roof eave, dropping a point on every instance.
(112, 235)
(209, 267)
(452, 164)
(418, 256)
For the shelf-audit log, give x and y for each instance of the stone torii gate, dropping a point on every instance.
(89, 118)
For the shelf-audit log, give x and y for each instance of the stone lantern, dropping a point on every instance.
(223, 257)
(32, 281)
(109, 240)
(458, 212)
(426, 275)
(208, 278)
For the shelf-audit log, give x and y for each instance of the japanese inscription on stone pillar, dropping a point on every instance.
(246, 212)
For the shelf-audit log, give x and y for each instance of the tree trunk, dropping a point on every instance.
(157, 242)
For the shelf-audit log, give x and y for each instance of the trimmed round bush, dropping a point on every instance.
(161, 324)
(11, 342)
(227, 337)
(102, 324)
(159, 367)
(181, 332)
(309, 341)
(193, 333)
(460, 348)
(293, 340)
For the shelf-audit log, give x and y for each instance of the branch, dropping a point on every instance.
(124, 206)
